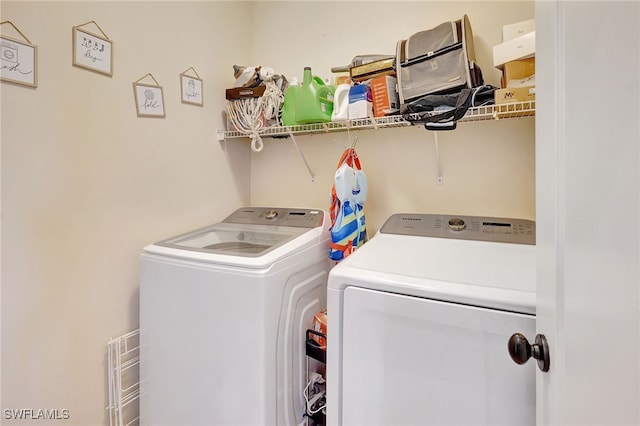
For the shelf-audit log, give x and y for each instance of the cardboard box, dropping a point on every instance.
(518, 70)
(517, 29)
(360, 102)
(518, 48)
(384, 94)
(519, 94)
(320, 325)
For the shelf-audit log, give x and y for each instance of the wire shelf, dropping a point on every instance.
(481, 113)
(123, 357)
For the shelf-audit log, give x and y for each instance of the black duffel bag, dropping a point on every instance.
(441, 112)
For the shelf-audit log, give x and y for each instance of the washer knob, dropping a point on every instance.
(456, 224)
(271, 214)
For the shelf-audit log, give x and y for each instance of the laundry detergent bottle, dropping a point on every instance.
(314, 103)
(341, 103)
(288, 117)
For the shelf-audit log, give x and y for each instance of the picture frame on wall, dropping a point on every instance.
(149, 99)
(191, 88)
(92, 51)
(19, 59)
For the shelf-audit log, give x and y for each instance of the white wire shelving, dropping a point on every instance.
(482, 113)
(123, 358)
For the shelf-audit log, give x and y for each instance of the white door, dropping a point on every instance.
(588, 218)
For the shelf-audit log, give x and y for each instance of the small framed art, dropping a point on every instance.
(149, 100)
(19, 61)
(191, 89)
(91, 51)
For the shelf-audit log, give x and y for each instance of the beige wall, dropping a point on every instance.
(488, 167)
(86, 184)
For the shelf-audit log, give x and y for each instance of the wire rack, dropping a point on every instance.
(123, 357)
(482, 113)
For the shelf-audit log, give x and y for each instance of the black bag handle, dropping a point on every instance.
(445, 120)
(431, 55)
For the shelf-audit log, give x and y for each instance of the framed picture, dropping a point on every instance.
(191, 90)
(19, 62)
(92, 52)
(149, 100)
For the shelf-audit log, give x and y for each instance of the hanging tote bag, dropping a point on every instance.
(348, 195)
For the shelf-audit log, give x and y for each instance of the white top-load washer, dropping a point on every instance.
(223, 314)
(418, 321)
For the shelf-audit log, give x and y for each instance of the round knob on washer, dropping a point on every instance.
(456, 224)
(271, 214)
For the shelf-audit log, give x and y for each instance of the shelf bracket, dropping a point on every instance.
(293, 139)
(438, 164)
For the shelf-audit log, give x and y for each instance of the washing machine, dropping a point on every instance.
(419, 319)
(223, 314)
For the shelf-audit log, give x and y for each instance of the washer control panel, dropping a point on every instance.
(299, 218)
(504, 230)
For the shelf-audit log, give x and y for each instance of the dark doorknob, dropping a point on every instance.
(520, 350)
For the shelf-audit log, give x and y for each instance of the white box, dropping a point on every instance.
(511, 31)
(519, 48)
(360, 102)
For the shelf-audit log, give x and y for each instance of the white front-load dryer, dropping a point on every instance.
(419, 319)
(223, 314)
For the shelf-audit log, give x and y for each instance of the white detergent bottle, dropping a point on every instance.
(341, 103)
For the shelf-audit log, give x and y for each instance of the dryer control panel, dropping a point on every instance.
(299, 218)
(496, 229)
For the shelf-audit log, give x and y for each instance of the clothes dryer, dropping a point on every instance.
(223, 314)
(419, 319)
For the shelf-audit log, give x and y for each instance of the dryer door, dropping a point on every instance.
(408, 360)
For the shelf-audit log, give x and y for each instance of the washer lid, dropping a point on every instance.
(234, 239)
(249, 238)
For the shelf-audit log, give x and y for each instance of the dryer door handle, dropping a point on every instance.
(520, 350)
